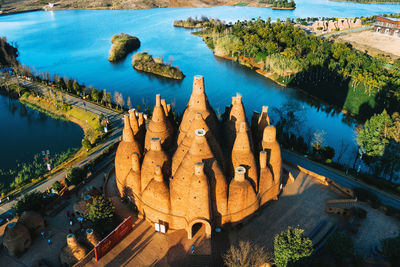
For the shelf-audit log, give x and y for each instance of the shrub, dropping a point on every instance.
(290, 246)
(328, 152)
(339, 245)
(86, 143)
(57, 186)
(246, 254)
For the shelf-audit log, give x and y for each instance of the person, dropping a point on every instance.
(192, 249)
(49, 241)
(42, 234)
(70, 222)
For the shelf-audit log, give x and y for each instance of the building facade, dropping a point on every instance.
(388, 26)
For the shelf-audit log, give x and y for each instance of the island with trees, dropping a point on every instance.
(145, 62)
(371, 1)
(279, 4)
(195, 23)
(122, 45)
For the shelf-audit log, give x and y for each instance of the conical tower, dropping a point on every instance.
(133, 180)
(243, 156)
(265, 190)
(158, 127)
(274, 158)
(155, 156)
(242, 200)
(199, 151)
(198, 103)
(184, 146)
(237, 115)
(199, 195)
(133, 121)
(125, 149)
(263, 121)
(155, 197)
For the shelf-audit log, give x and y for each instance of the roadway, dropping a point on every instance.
(385, 198)
(114, 117)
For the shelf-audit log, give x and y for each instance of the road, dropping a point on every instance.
(385, 198)
(114, 117)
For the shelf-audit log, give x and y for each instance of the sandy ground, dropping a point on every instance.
(374, 43)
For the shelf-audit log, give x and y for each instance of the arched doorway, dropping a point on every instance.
(199, 225)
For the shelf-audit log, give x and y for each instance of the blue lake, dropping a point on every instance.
(76, 44)
(26, 132)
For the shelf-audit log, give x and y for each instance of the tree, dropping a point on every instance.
(246, 254)
(95, 95)
(30, 201)
(76, 87)
(57, 186)
(74, 175)
(290, 246)
(318, 140)
(70, 85)
(129, 103)
(86, 143)
(100, 212)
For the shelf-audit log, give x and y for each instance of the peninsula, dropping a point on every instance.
(145, 62)
(122, 45)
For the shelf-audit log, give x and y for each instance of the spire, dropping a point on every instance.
(165, 108)
(198, 103)
(159, 127)
(127, 134)
(133, 121)
(140, 119)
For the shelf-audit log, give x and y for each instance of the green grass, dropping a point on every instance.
(242, 4)
(356, 98)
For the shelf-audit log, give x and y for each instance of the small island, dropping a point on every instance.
(279, 4)
(195, 23)
(145, 62)
(122, 45)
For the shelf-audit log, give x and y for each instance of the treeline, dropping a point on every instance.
(279, 3)
(322, 67)
(8, 53)
(203, 22)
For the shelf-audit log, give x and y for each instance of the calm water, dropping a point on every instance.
(76, 44)
(26, 132)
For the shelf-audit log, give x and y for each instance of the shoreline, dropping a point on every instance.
(373, 2)
(268, 75)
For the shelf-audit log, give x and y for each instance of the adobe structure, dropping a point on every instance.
(340, 24)
(205, 171)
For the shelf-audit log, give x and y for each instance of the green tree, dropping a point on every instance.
(70, 85)
(86, 143)
(74, 175)
(95, 95)
(76, 87)
(290, 246)
(29, 201)
(100, 212)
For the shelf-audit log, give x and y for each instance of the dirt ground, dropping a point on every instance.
(374, 43)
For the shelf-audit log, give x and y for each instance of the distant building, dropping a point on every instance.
(389, 26)
(339, 24)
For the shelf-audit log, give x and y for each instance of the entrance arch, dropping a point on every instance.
(196, 222)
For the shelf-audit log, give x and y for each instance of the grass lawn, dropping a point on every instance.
(242, 4)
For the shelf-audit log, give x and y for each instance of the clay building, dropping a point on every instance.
(204, 171)
(389, 26)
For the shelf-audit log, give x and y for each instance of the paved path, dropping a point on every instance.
(115, 118)
(340, 179)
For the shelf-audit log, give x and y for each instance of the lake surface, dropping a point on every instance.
(76, 44)
(26, 132)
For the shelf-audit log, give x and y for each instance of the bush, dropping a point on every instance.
(328, 152)
(391, 249)
(86, 143)
(290, 246)
(57, 186)
(246, 254)
(30, 201)
(339, 245)
(74, 176)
